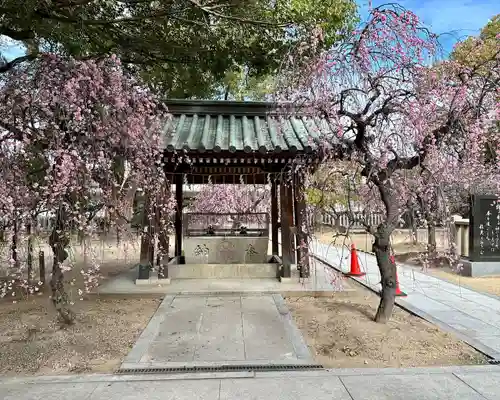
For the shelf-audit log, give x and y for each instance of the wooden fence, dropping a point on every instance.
(343, 220)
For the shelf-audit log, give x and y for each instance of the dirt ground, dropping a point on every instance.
(32, 342)
(341, 334)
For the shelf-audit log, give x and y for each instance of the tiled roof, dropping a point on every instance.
(220, 126)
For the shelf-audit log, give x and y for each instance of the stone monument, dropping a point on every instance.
(484, 237)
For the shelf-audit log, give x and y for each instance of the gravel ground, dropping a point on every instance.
(341, 334)
(32, 341)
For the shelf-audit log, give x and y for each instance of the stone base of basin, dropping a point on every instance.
(225, 249)
(222, 271)
(152, 282)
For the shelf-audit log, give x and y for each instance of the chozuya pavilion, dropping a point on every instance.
(226, 142)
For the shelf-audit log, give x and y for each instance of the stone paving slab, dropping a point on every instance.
(471, 316)
(460, 382)
(174, 390)
(74, 391)
(488, 385)
(409, 387)
(209, 330)
(298, 388)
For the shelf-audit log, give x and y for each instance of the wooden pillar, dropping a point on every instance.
(178, 215)
(41, 266)
(151, 240)
(300, 221)
(296, 218)
(293, 221)
(145, 263)
(286, 198)
(274, 218)
(163, 237)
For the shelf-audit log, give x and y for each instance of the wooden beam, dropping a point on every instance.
(178, 215)
(226, 178)
(274, 218)
(286, 198)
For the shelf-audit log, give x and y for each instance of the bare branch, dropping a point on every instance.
(11, 64)
(210, 10)
(16, 35)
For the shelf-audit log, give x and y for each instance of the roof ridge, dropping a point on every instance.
(225, 107)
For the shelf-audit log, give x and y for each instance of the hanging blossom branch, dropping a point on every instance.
(390, 112)
(75, 138)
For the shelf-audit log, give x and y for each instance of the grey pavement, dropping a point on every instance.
(471, 316)
(464, 383)
(214, 330)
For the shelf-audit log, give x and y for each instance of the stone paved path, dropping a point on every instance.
(472, 316)
(215, 330)
(449, 383)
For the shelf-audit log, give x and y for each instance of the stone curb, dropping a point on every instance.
(100, 378)
(149, 333)
(293, 333)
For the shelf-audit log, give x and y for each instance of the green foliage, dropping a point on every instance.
(183, 48)
(322, 199)
(238, 85)
(334, 184)
(327, 14)
(475, 51)
(244, 83)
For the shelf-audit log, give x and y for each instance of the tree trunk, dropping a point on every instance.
(387, 270)
(59, 240)
(414, 228)
(163, 245)
(431, 246)
(146, 262)
(15, 256)
(30, 254)
(2, 233)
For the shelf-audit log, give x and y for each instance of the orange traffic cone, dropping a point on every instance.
(399, 292)
(355, 270)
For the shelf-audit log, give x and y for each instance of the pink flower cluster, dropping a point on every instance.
(78, 136)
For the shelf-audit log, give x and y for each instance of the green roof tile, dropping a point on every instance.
(218, 126)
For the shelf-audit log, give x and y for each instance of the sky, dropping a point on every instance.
(452, 19)
(10, 50)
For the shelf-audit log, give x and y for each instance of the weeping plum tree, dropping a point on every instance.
(235, 198)
(390, 114)
(238, 199)
(75, 138)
